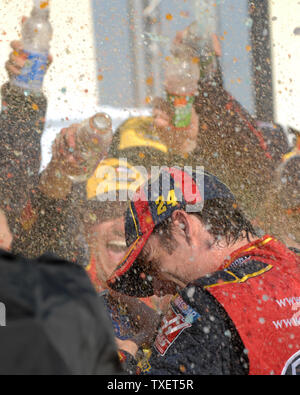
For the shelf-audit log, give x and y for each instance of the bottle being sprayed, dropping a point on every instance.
(192, 59)
(36, 36)
(182, 74)
(93, 140)
(181, 84)
(197, 41)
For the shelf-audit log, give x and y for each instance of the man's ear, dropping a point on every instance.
(181, 223)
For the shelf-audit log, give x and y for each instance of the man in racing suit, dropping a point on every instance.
(236, 295)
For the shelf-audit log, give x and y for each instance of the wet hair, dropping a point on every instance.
(222, 219)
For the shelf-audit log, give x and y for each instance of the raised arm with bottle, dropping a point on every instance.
(22, 121)
(222, 136)
(23, 111)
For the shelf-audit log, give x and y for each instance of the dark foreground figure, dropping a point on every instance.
(55, 322)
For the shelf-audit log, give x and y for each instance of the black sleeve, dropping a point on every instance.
(56, 323)
(22, 122)
(210, 345)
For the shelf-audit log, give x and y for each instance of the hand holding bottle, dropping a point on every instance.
(92, 141)
(54, 181)
(179, 141)
(36, 36)
(194, 53)
(17, 59)
(181, 84)
(76, 153)
(65, 153)
(78, 149)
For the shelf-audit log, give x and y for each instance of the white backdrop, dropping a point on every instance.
(71, 82)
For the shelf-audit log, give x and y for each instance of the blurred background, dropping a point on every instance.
(110, 55)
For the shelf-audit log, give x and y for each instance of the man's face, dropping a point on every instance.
(5, 234)
(168, 270)
(188, 257)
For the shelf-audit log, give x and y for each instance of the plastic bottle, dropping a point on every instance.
(36, 36)
(93, 140)
(192, 59)
(181, 84)
(197, 40)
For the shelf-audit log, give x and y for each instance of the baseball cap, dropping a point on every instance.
(153, 203)
(137, 133)
(133, 139)
(111, 175)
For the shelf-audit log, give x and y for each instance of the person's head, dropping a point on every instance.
(177, 237)
(103, 214)
(188, 246)
(108, 190)
(6, 237)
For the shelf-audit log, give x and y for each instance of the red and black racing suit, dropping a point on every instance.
(240, 320)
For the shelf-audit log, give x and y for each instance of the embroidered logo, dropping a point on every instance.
(172, 326)
(187, 311)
